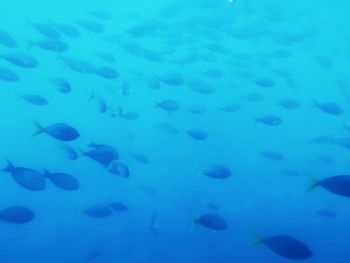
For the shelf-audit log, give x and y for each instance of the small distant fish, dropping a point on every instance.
(34, 99)
(253, 97)
(329, 108)
(324, 61)
(63, 181)
(290, 104)
(269, 120)
(213, 73)
(51, 45)
(148, 189)
(93, 255)
(8, 75)
(100, 14)
(98, 211)
(21, 60)
(105, 56)
(264, 82)
(212, 221)
(7, 40)
(119, 207)
(218, 172)
(46, 29)
(327, 213)
(68, 30)
(61, 84)
(78, 65)
(343, 141)
(92, 26)
(153, 83)
(172, 78)
(199, 135)
(322, 139)
(125, 89)
(167, 127)
(107, 72)
(139, 157)
(168, 105)
(70, 152)
(153, 226)
(119, 168)
(59, 131)
(286, 246)
(272, 155)
(202, 88)
(339, 185)
(17, 215)
(198, 109)
(231, 107)
(291, 172)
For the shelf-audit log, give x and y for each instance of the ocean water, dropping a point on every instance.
(216, 129)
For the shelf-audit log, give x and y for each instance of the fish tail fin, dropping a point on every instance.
(9, 167)
(257, 239)
(39, 129)
(80, 152)
(313, 184)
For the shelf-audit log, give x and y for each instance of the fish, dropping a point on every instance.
(59, 131)
(46, 29)
(67, 30)
(61, 84)
(78, 65)
(213, 73)
(102, 153)
(107, 73)
(70, 152)
(153, 226)
(21, 60)
(202, 87)
(172, 78)
(8, 75)
(50, 45)
(168, 105)
(212, 221)
(92, 26)
(100, 14)
(270, 120)
(290, 104)
(7, 40)
(330, 108)
(119, 207)
(119, 168)
(139, 157)
(322, 139)
(218, 172)
(327, 213)
(98, 211)
(253, 97)
(199, 135)
(34, 99)
(231, 107)
(264, 82)
(272, 155)
(167, 127)
(63, 181)
(106, 57)
(17, 215)
(153, 83)
(338, 184)
(26, 177)
(286, 246)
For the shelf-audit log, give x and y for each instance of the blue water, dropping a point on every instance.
(262, 86)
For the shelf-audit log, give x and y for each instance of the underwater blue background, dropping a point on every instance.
(260, 53)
